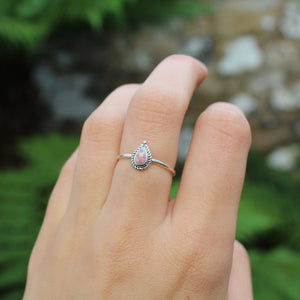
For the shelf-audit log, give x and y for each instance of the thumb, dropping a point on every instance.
(240, 283)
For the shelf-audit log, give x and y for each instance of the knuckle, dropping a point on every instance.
(129, 87)
(101, 124)
(118, 253)
(188, 254)
(197, 266)
(197, 252)
(228, 122)
(122, 243)
(215, 274)
(156, 106)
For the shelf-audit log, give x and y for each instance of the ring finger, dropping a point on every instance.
(155, 114)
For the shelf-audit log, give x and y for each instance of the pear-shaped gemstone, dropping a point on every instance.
(141, 156)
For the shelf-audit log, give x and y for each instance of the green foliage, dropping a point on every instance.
(27, 22)
(268, 222)
(23, 197)
(276, 274)
(157, 10)
(258, 172)
(259, 212)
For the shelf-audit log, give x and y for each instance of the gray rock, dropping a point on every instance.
(199, 47)
(290, 23)
(64, 59)
(65, 94)
(296, 128)
(286, 99)
(269, 121)
(247, 103)
(264, 5)
(241, 55)
(262, 83)
(143, 61)
(284, 158)
(268, 22)
(281, 54)
(184, 143)
(253, 5)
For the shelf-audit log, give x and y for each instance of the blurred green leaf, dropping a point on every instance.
(26, 23)
(261, 210)
(23, 32)
(276, 274)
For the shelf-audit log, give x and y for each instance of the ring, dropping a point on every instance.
(141, 159)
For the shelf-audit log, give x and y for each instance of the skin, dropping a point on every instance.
(111, 232)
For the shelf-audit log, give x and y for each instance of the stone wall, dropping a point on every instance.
(251, 48)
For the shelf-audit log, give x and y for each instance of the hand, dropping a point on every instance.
(111, 232)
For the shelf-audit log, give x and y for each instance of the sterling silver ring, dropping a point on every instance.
(141, 159)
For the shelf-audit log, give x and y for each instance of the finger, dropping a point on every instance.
(240, 283)
(208, 197)
(99, 146)
(155, 115)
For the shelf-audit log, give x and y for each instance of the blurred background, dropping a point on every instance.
(60, 58)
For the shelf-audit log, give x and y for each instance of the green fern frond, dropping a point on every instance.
(23, 195)
(28, 22)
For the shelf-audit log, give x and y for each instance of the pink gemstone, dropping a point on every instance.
(141, 157)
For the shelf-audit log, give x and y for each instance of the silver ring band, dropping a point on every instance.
(141, 159)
